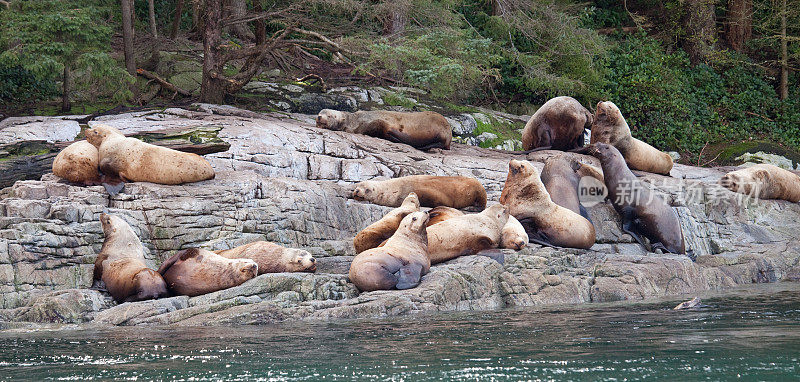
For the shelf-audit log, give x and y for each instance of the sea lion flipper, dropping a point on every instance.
(627, 227)
(408, 276)
(494, 254)
(585, 213)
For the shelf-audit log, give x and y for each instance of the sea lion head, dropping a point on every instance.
(521, 169)
(607, 154)
(243, 270)
(415, 222)
(364, 190)
(100, 132)
(111, 224)
(149, 286)
(411, 201)
(607, 112)
(330, 119)
(498, 212)
(298, 260)
(745, 183)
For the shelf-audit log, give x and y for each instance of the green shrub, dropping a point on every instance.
(18, 85)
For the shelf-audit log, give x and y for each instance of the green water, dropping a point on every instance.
(749, 334)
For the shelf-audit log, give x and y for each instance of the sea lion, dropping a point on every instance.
(557, 125)
(133, 160)
(467, 234)
(513, 235)
(376, 233)
(195, 271)
(609, 127)
(273, 258)
(642, 210)
(764, 181)
(77, 163)
(423, 130)
(400, 263)
(545, 222)
(561, 176)
(121, 265)
(432, 191)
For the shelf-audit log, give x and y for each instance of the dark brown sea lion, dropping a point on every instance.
(376, 233)
(559, 124)
(609, 127)
(400, 263)
(764, 181)
(195, 271)
(432, 191)
(135, 161)
(561, 177)
(422, 130)
(642, 210)
(121, 264)
(546, 222)
(273, 258)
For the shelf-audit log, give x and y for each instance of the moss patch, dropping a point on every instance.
(728, 153)
(503, 129)
(397, 99)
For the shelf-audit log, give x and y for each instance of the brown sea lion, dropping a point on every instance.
(513, 235)
(195, 271)
(558, 125)
(422, 130)
(609, 127)
(133, 160)
(400, 263)
(121, 265)
(376, 233)
(764, 181)
(432, 191)
(561, 176)
(273, 258)
(546, 222)
(467, 234)
(77, 163)
(642, 210)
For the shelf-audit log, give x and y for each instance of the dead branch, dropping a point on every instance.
(313, 77)
(164, 83)
(6, 3)
(324, 39)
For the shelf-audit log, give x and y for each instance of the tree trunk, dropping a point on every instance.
(784, 85)
(260, 25)
(701, 32)
(176, 21)
(739, 26)
(498, 8)
(238, 9)
(394, 22)
(151, 8)
(66, 105)
(212, 90)
(127, 36)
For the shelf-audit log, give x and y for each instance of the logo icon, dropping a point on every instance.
(591, 191)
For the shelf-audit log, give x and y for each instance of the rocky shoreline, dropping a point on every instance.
(284, 180)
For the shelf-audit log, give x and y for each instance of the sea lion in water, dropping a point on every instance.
(609, 127)
(121, 265)
(642, 210)
(545, 221)
(561, 177)
(764, 181)
(400, 263)
(467, 234)
(135, 161)
(432, 191)
(195, 271)
(557, 125)
(376, 233)
(513, 235)
(423, 130)
(77, 163)
(272, 258)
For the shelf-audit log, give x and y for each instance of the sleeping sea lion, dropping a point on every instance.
(422, 130)
(513, 235)
(77, 163)
(467, 234)
(135, 161)
(764, 181)
(195, 271)
(272, 258)
(432, 191)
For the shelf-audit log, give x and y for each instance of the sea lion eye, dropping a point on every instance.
(414, 219)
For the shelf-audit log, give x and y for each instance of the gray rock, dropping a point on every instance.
(50, 129)
(67, 306)
(485, 136)
(762, 157)
(128, 312)
(462, 124)
(312, 103)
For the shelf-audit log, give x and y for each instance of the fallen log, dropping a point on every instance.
(164, 83)
(29, 160)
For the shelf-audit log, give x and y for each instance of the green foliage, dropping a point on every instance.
(18, 85)
(674, 106)
(42, 36)
(397, 99)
